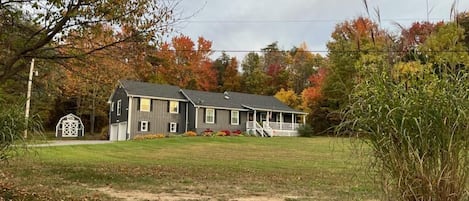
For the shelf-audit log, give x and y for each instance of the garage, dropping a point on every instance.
(122, 133)
(113, 132)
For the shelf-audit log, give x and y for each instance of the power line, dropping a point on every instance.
(204, 21)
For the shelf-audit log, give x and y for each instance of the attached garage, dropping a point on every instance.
(118, 132)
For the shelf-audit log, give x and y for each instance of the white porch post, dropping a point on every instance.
(304, 119)
(255, 119)
(268, 117)
(196, 117)
(293, 121)
(281, 120)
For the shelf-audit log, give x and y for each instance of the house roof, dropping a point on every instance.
(236, 100)
(142, 89)
(228, 100)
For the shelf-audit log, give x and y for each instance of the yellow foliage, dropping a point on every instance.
(288, 97)
(190, 134)
(149, 136)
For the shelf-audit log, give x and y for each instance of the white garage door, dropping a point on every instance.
(122, 132)
(113, 133)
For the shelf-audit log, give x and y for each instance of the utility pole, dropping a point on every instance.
(28, 98)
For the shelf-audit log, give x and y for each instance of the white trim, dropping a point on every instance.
(173, 125)
(237, 117)
(177, 107)
(119, 107)
(157, 98)
(144, 126)
(112, 106)
(129, 116)
(196, 116)
(206, 115)
(273, 110)
(187, 117)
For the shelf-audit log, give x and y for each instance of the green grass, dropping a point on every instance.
(220, 167)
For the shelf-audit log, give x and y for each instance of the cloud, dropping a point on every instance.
(252, 25)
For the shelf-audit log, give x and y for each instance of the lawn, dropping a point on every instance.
(192, 168)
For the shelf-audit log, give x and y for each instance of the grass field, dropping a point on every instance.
(192, 168)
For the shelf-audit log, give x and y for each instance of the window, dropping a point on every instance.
(173, 107)
(145, 105)
(144, 126)
(209, 116)
(173, 127)
(112, 106)
(119, 107)
(234, 117)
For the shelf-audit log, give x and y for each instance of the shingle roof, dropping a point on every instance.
(233, 100)
(237, 100)
(134, 88)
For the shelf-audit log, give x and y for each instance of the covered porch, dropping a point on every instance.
(274, 123)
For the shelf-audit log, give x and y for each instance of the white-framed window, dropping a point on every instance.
(119, 107)
(234, 117)
(144, 126)
(145, 104)
(112, 106)
(209, 116)
(173, 107)
(173, 127)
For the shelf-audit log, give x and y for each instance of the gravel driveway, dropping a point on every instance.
(70, 142)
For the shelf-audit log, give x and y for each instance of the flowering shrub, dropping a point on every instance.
(190, 134)
(236, 133)
(220, 133)
(227, 132)
(207, 132)
(149, 136)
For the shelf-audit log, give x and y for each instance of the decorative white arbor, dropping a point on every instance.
(70, 125)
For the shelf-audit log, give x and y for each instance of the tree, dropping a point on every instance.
(275, 66)
(288, 97)
(90, 90)
(231, 78)
(254, 78)
(220, 65)
(46, 25)
(304, 64)
(185, 66)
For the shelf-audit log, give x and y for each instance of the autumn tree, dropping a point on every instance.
(46, 25)
(275, 66)
(87, 88)
(289, 97)
(231, 77)
(254, 79)
(303, 65)
(185, 65)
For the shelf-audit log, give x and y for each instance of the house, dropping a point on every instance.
(138, 108)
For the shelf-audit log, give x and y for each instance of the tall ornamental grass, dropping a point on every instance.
(12, 126)
(418, 129)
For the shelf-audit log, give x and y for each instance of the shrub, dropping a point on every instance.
(236, 133)
(220, 133)
(305, 131)
(149, 136)
(207, 132)
(190, 134)
(227, 132)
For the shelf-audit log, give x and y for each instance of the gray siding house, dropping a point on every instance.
(138, 108)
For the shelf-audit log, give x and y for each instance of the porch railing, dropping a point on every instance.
(274, 125)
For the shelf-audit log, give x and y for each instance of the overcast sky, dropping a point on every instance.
(249, 25)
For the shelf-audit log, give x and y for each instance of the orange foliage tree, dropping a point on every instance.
(184, 65)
